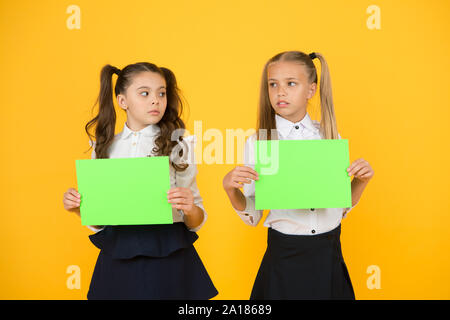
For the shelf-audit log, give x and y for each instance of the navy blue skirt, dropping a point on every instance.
(148, 262)
(303, 267)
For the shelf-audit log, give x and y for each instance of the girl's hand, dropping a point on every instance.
(361, 169)
(71, 200)
(238, 176)
(181, 198)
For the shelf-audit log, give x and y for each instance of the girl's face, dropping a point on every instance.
(289, 89)
(145, 100)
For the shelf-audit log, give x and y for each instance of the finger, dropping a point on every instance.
(247, 169)
(182, 204)
(362, 171)
(179, 201)
(185, 197)
(71, 204)
(251, 171)
(248, 175)
(367, 175)
(354, 163)
(72, 198)
(181, 207)
(176, 189)
(243, 180)
(178, 195)
(74, 193)
(236, 185)
(177, 198)
(355, 169)
(175, 194)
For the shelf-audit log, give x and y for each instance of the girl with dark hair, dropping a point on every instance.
(303, 259)
(147, 261)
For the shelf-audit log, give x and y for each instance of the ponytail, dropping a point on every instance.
(105, 120)
(328, 124)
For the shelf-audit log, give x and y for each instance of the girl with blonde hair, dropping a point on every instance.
(303, 259)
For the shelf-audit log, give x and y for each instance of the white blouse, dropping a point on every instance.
(130, 144)
(289, 221)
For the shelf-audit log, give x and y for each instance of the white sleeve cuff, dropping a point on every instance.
(249, 215)
(347, 210)
(95, 229)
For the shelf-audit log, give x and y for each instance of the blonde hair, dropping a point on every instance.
(266, 114)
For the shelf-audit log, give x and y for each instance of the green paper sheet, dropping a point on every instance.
(306, 174)
(124, 191)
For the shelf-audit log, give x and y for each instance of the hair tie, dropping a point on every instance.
(116, 70)
(312, 55)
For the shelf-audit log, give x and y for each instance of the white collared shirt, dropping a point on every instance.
(289, 221)
(130, 144)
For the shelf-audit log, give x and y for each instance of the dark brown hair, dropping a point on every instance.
(105, 120)
(266, 116)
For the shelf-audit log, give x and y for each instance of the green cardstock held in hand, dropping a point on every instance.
(124, 191)
(302, 174)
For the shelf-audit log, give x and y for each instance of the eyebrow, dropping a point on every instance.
(144, 87)
(284, 79)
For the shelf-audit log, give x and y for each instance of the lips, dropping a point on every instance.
(153, 112)
(282, 103)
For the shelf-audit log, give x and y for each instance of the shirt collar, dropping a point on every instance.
(149, 131)
(285, 126)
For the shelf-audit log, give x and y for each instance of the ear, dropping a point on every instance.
(312, 90)
(122, 101)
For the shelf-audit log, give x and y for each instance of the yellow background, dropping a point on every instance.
(392, 101)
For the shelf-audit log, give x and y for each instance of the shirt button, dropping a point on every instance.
(134, 143)
(134, 134)
(296, 127)
(313, 231)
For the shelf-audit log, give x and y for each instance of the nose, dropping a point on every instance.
(154, 99)
(281, 91)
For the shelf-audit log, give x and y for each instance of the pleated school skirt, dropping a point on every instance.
(303, 267)
(148, 262)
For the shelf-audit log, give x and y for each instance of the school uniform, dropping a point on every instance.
(150, 261)
(303, 259)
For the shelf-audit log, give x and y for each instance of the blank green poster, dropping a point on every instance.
(302, 174)
(125, 191)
